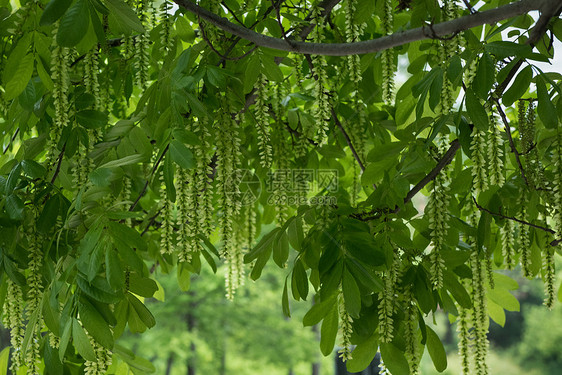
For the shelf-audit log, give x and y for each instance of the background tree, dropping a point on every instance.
(138, 135)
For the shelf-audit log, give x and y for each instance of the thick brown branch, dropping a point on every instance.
(397, 39)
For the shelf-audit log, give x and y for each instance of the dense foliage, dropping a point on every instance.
(142, 138)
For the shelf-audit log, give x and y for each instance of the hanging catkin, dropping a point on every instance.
(387, 58)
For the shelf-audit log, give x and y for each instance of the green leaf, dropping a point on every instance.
(285, 301)
(128, 235)
(144, 314)
(142, 286)
(181, 154)
(351, 294)
(99, 290)
(271, 69)
(127, 160)
(184, 278)
(19, 51)
(51, 315)
(28, 97)
(4, 358)
(252, 72)
(102, 177)
(187, 137)
(300, 279)
(363, 354)
(454, 69)
(13, 178)
(65, 339)
(476, 111)
(436, 350)
(505, 282)
(503, 298)
(168, 172)
(503, 49)
(545, 109)
(368, 278)
(91, 119)
(420, 89)
(295, 233)
(281, 249)
(519, 86)
(457, 290)
(82, 342)
(48, 217)
(196, 106)
(53, 11)
(496, 312)
(33, 169)
(483, 234)
(210, 261)
(329, 331)
(95, 324)
(318, 311)
(18, 82)
(363, 247)
(132, 360)
(14, 207)
(384, 151)
(485, 77)
(74, 24)
(265, 244)
(364, 11)
(114, 271)
(123, 18)
(394, 359)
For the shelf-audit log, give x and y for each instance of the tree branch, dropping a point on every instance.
(347, 139)
(57, 171)
(442, 163)
(143, 191)
(547, 8)
(548, 230)
(510, 138)
(445, 160)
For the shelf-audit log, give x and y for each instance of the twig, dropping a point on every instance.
(468, 6)
(57, 171)
(510, 138)
(549, 9)
(283, 33)
(445, 160)
(11, 141)
(222, 56)
(348, 140)
(442, 163)
(151, 221)
(143, 191)
(512, 218)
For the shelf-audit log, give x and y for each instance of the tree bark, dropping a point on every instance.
(191, 321)
(443, 29)
(169, 364)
